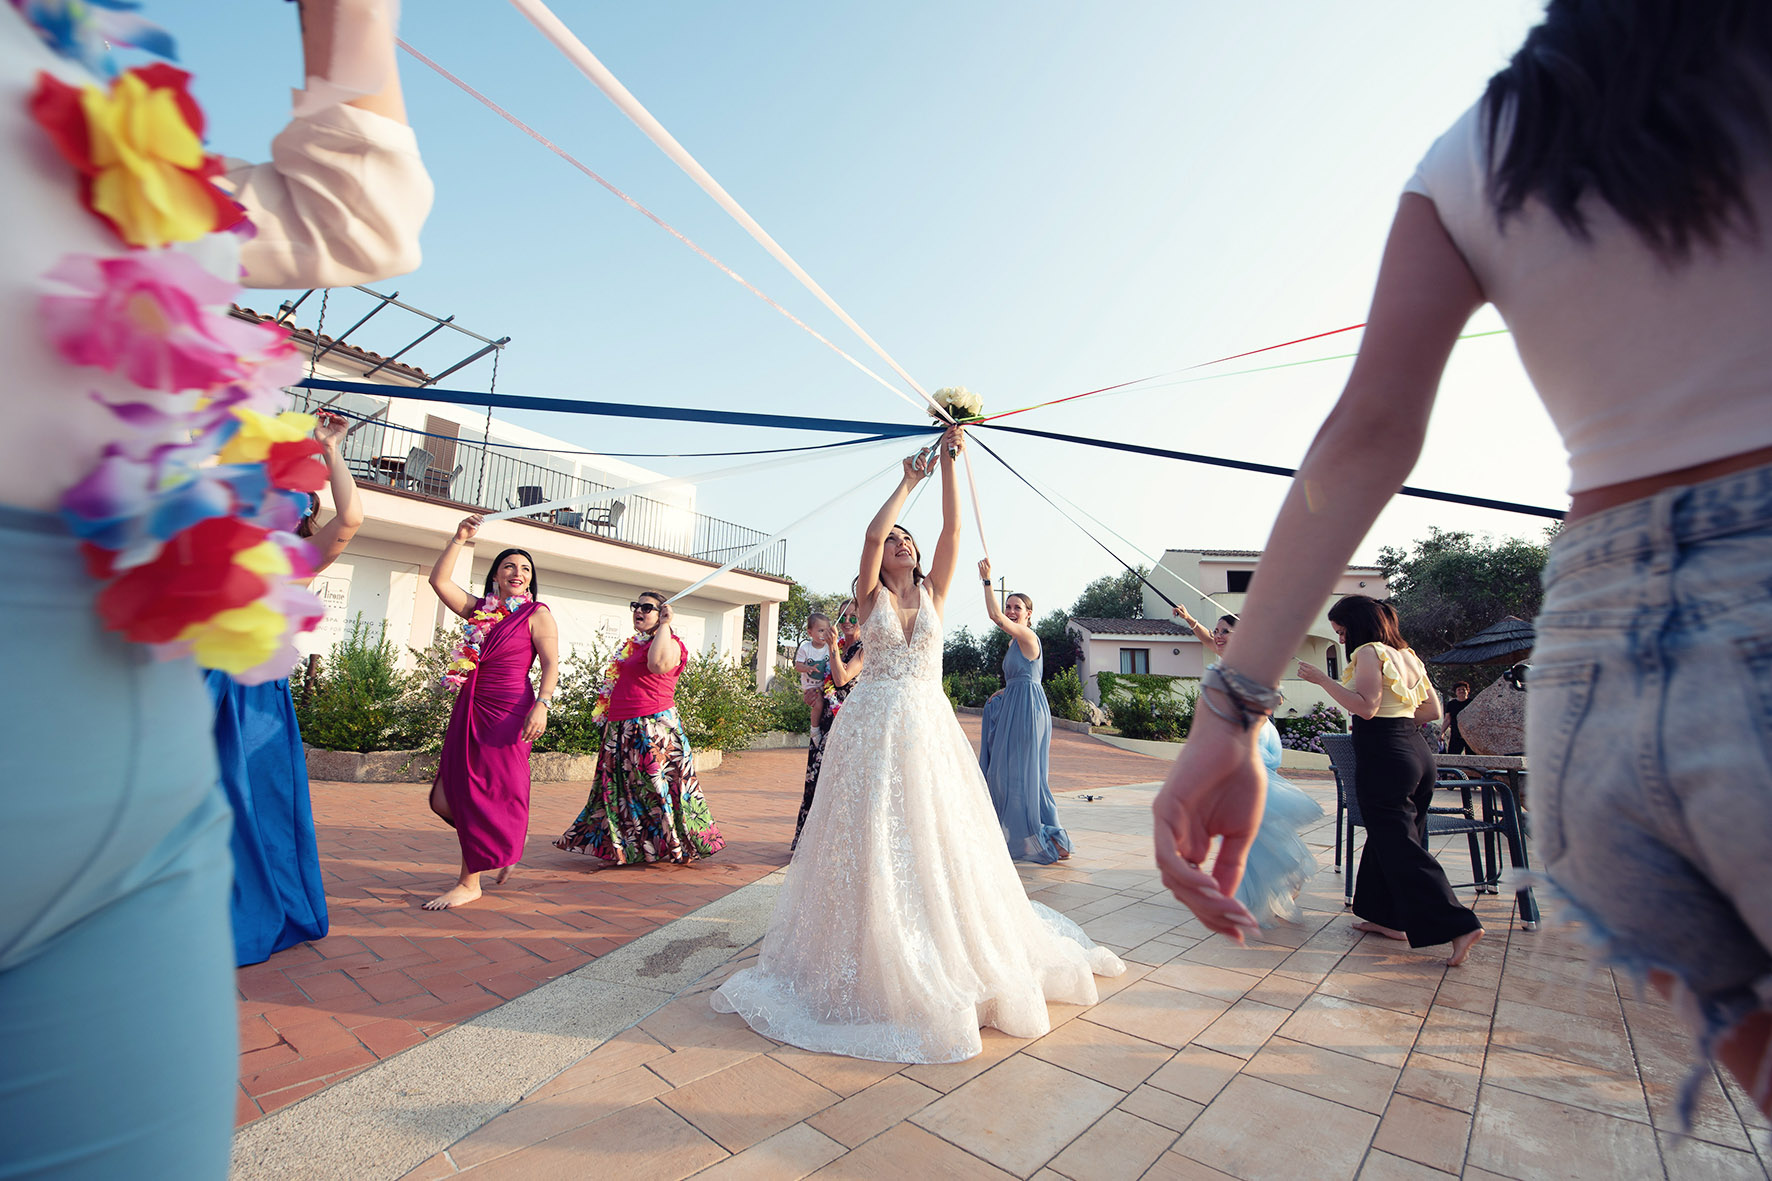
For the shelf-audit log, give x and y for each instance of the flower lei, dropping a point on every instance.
(188, 516)
(464, 658)
(612, 670)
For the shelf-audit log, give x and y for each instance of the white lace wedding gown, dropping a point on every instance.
(903, 927)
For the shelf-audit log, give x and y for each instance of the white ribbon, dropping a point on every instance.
(551, 27)
(774, 462)
(783, 532)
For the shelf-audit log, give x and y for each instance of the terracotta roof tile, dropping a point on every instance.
(1131, 627)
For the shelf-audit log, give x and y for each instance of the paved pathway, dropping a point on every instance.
(1314, 1053)
(390, 975)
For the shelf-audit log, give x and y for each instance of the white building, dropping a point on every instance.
(423, 465)
(1159, 643)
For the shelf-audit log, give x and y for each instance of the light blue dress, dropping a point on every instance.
(1013, 750)
(1280, 863)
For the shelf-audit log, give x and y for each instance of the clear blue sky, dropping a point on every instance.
(1030, 199)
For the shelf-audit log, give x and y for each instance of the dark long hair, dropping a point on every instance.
(916, 566)
(534, 574)
(1366, 621)
(1657, 106)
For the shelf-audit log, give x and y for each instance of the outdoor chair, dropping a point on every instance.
(528, 495)
(418, 462)
(608, 518)
(570, 519)
(1499, 815)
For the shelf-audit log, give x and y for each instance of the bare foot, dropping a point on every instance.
(1461, 947)
(1375, 929)
(502, 875)
(459, 896)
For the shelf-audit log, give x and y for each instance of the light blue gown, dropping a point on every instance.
(1014, 746)
(1280, 863)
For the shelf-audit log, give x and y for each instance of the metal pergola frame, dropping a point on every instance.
(438, 323)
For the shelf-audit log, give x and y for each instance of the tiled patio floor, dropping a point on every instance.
(1315, 1053)
(390, 975)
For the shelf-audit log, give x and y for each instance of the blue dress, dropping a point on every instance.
(1279, 863)
(278, 900)
(1012, 752)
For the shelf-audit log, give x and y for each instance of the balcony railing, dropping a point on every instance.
(469, 472)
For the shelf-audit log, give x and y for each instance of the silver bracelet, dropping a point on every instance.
(1248, 697)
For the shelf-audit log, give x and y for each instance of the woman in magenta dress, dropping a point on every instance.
(645, 804)
(482, 784)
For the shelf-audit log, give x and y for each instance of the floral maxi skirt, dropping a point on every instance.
(645, 804)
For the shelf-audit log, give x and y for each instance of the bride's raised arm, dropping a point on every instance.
(947, 549)
(874, 545)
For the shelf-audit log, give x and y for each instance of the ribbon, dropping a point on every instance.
(782, 532)
(551, 27)
(573, 501)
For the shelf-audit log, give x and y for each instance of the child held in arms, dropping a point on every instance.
(812, 660)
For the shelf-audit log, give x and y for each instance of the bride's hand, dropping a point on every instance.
(1216, 788)
(916, 467)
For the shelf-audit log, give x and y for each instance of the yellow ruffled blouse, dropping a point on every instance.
(1397, 700)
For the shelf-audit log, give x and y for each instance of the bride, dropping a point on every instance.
(903, 927)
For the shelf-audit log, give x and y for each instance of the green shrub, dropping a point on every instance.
(1064, 693)
(970, 689)
(1112, 685)
(1155, 714)
(719, 704)
(571, 729)
(361, 701)
(789, 709)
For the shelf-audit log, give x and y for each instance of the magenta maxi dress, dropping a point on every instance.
(484, 769)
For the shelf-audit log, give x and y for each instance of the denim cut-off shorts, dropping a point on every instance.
(1649, 733)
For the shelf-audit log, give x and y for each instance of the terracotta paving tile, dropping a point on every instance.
(1454, 1034)
(1525, 1136)
(1405, 995)
(789, 1154)
(1173, 1166)
(906, 1152)
(1570, 1037)
(433, 1169)
(1103, 1054)
(1574, 1083)
(1206, 980)
(1441, 1080)
(1380, 1035)
(867, 1113)
(1018, 1115)
(946, 1076)
(1157, 1013)
(1468, 997)
(1340, 1078)
(1382, 1166)
(1161, 1107)
(261, 1083)
(646, 1142)
(845, 1076)
(1695, 1160)
(1197, 1073)
(534, 1121)
(283, 1098)
(1258, 1131)
(1244, 1029)
(1253, 959)
(1424, 1133)
(624, 1052)
(749, 1102)
(1283, 992)
(1118, 1147)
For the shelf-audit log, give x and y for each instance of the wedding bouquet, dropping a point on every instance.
(960, 402)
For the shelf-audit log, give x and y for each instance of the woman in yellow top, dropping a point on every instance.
(1400, 892)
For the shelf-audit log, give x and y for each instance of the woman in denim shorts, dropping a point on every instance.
(1611, 194)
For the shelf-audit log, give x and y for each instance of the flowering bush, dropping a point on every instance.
(1303, 733)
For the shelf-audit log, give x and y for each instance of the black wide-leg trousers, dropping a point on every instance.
(1400, 884)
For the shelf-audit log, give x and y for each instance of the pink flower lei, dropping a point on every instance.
(612, 671)
(464, 658)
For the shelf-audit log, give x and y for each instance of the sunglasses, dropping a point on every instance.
(644, 608)
(848, 619)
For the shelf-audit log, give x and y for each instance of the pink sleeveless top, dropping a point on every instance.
(639, 693)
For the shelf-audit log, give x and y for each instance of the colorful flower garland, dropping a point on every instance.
(612, 671)
(464, 658)
(188, 516)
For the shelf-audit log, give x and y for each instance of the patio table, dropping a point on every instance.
(1511, 768)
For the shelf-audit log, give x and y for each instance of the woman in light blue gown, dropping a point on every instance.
(1280, 863)
(1016, 739)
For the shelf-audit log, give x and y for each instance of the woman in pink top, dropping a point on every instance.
(645, 804)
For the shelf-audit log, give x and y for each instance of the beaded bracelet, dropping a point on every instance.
(1248, 697)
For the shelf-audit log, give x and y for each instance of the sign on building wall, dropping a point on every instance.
(334, 589)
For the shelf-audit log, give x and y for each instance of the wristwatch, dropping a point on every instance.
(547, 701)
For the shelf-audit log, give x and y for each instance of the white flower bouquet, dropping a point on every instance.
(960, 402)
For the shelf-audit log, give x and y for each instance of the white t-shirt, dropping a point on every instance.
(1644, 368)
(810, 653)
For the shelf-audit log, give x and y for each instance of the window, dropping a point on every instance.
(1236, 582)
(1135, 660)
(1334, 663)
